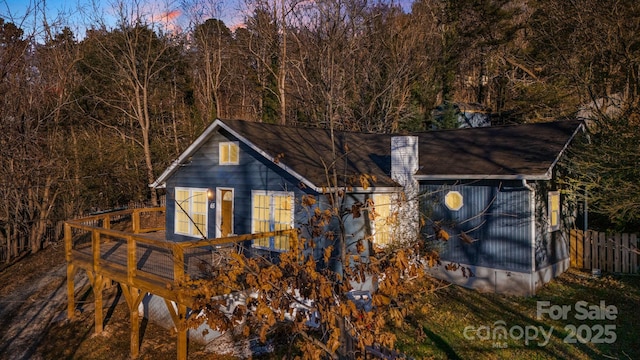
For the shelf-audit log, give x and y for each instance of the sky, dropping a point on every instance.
(80, 14)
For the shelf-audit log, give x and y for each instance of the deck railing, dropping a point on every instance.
(129, 247)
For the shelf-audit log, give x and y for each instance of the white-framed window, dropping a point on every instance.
(554, 210)
(229, 153)
(191, 212)
(382, 220)
(272, 211)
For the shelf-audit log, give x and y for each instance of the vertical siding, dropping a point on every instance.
(496, 215)
(551, 247)
(204, 171)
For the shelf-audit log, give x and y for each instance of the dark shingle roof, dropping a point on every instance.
(515, 151)
(308, 151)
(504, 152)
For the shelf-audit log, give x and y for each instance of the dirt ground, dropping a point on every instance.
(34, 323)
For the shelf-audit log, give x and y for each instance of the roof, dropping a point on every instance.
(527, 151)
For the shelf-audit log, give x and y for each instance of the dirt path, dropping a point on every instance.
(33, 295)
(34, 324)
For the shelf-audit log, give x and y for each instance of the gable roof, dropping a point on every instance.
(505, 152)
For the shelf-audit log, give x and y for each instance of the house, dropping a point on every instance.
(466, 115)
(494, 191)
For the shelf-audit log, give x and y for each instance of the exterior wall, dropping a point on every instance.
(513, 250)
(356, 229)
(253, 172)
(496, 215)
(256, 173)
(551, 247)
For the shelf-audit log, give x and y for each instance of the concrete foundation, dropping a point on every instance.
(500, 281)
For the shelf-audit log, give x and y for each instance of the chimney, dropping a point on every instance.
(404, 165)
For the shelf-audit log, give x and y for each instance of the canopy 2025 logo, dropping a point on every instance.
(583, 332)
(583, 311)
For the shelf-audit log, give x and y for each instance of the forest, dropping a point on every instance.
(89, 118)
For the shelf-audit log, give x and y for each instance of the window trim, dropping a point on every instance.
(229, 145)
(454, 200)
(189, 210)
(218, 201)
(553, 197)
(272, 195)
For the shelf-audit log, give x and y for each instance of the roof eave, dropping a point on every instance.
(545, 176)
(161, 180)
(580, 127)
(278, 163)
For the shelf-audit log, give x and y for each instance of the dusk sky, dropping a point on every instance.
(79, 14)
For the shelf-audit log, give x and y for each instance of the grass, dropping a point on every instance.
(438, 332)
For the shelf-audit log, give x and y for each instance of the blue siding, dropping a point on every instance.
(253, 172)
(551, 247)
(497, 215)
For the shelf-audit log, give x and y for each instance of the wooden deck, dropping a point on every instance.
(129, 247)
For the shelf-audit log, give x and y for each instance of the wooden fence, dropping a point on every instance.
(615, 253)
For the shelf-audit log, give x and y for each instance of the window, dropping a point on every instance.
(454, 200)
(229, 153)
(554, 210)
(383, 221)
(272, 211)
(191, 212)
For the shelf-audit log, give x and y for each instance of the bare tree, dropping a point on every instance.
(131, 65)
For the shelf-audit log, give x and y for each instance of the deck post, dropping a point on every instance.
(178, 264)
(134, 297)
(135, 332)
(182, 332)
(178, 312)
(68, 247)
(98, 285)
(135, 216)
(132, 265)
(95, 249)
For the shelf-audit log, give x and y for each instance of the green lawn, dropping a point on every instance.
(438, 332)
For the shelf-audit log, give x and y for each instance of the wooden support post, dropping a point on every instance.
(134, 297)
(98, 285)
(71, 272)
(182, 333)
(135, 332)
(178, 313)
(132, 265)
(178, 264)
(71, 301)
(136, 221)
(95, 249)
